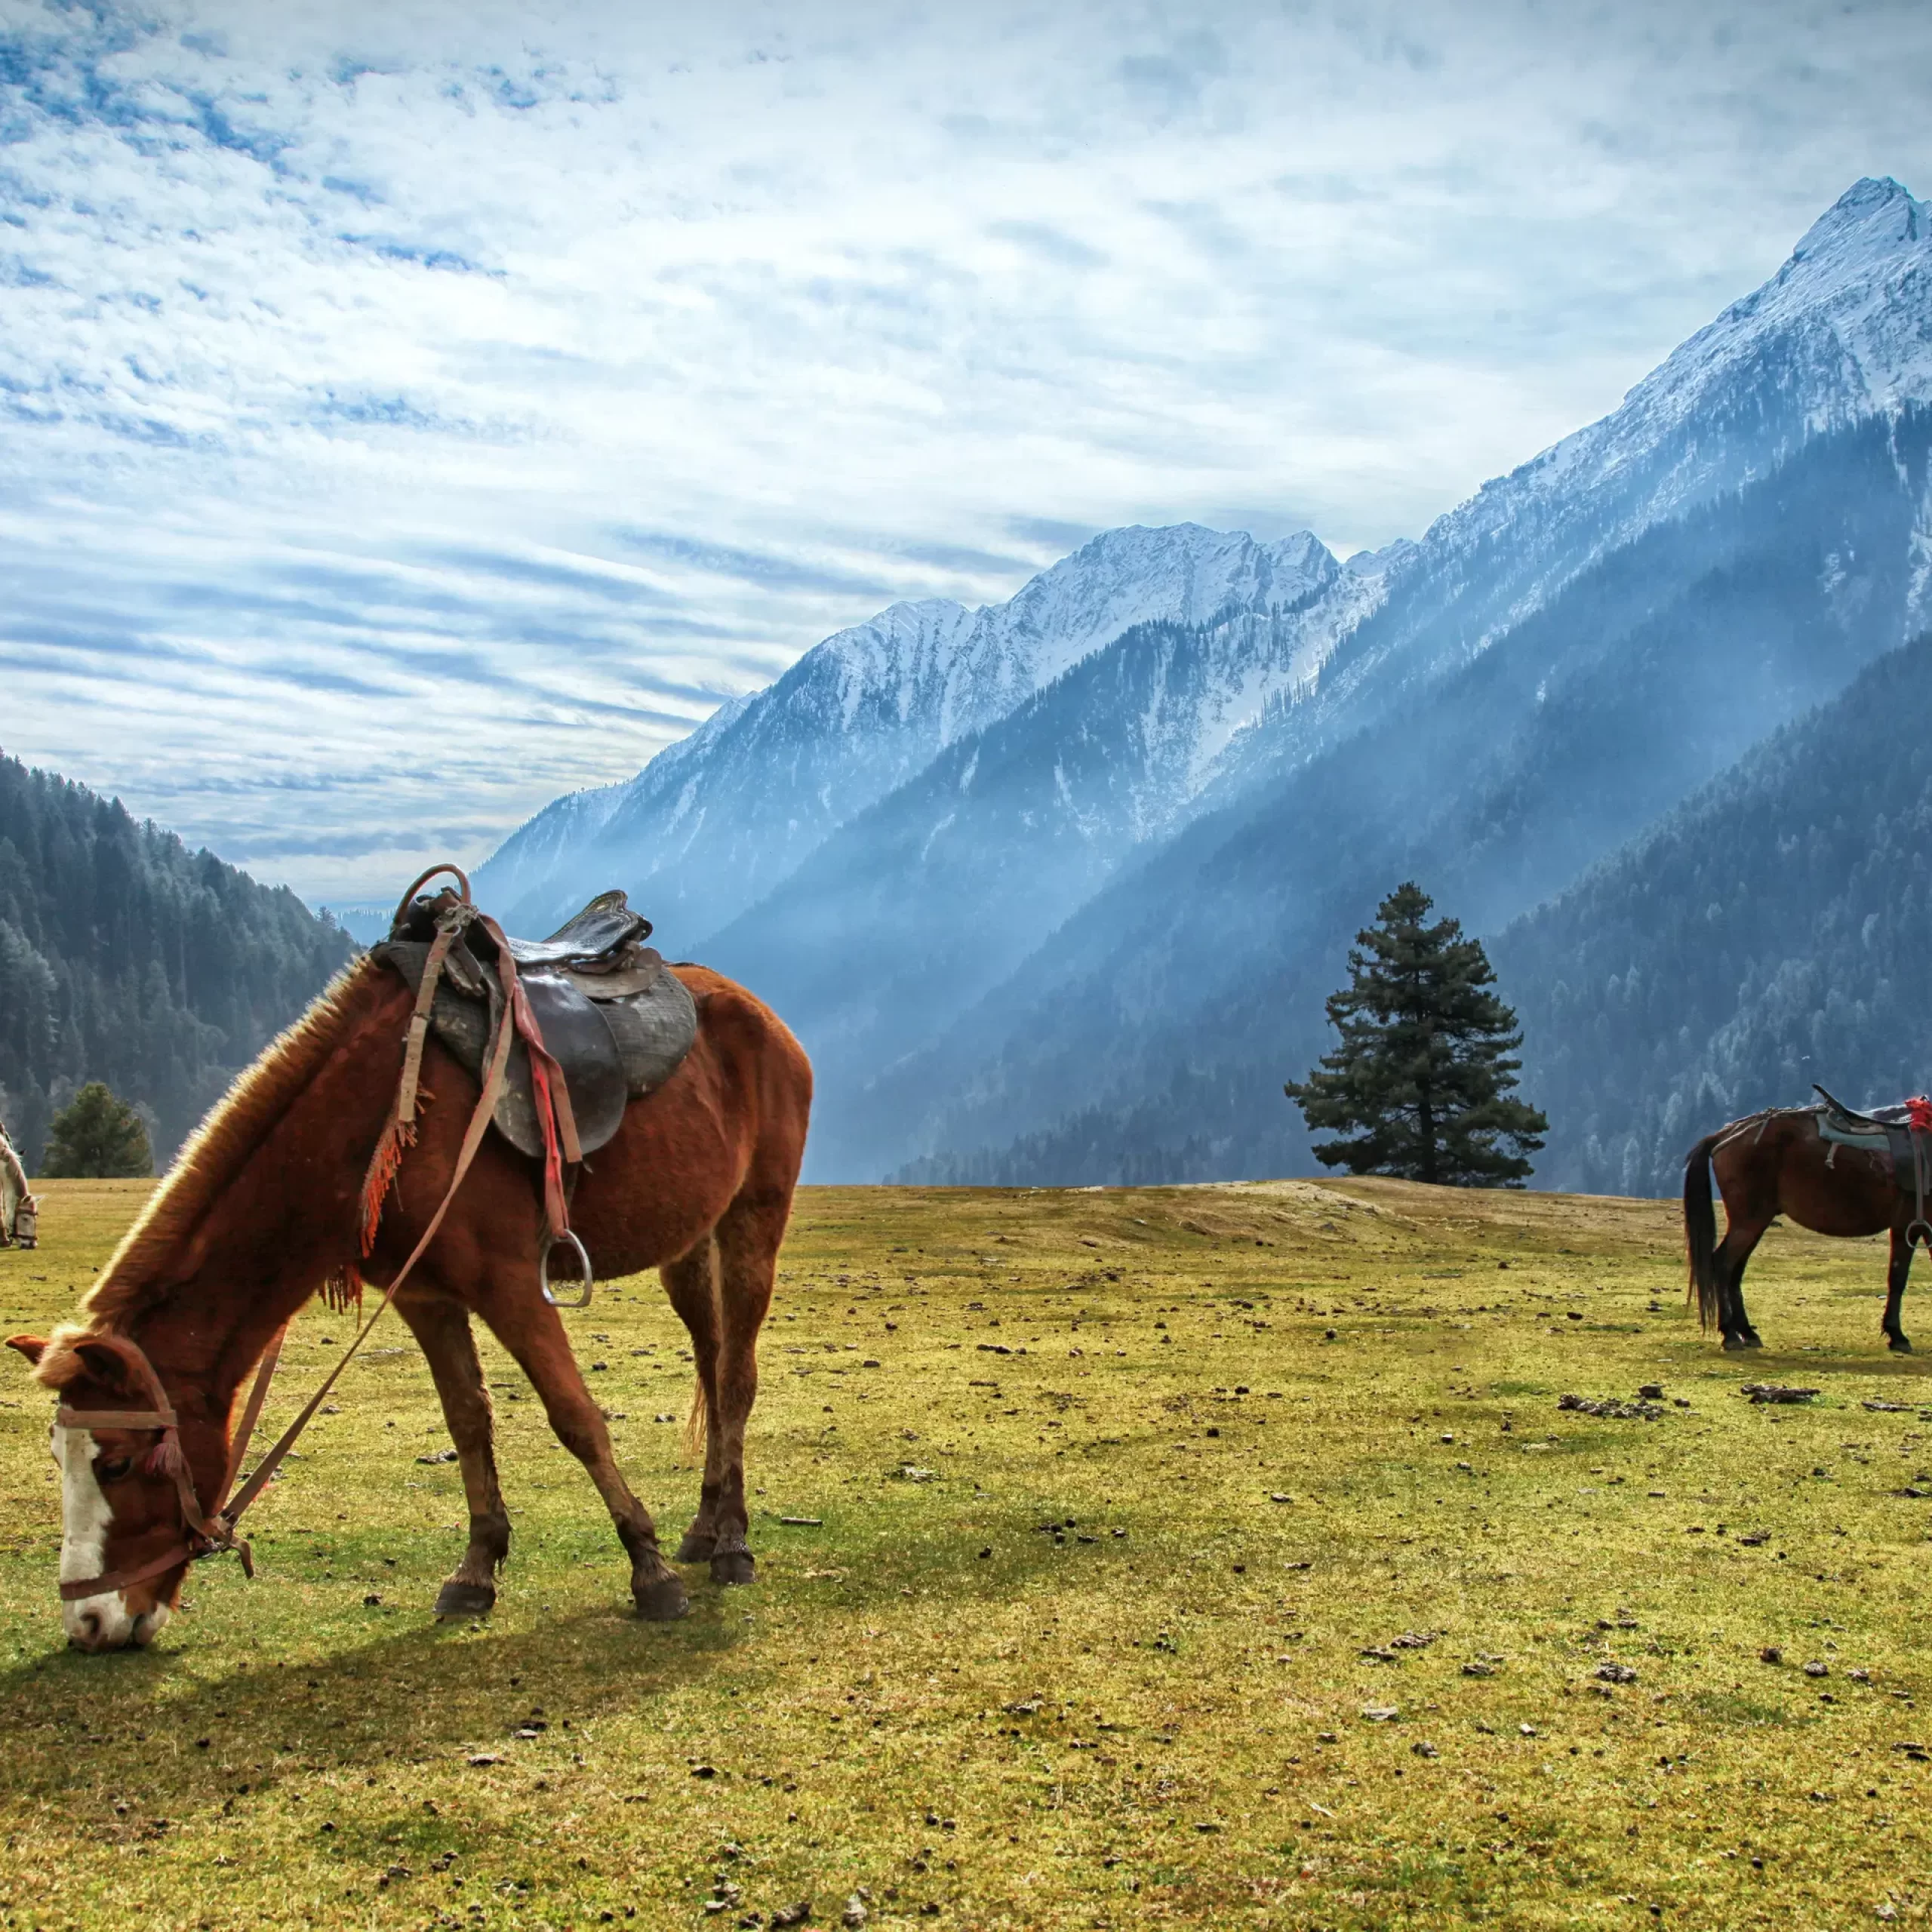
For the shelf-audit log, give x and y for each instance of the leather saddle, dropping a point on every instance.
(617, 1020)
(1885, 1131)
(1837, 1121)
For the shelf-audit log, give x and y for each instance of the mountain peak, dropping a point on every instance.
(1850, 302)
(1878, 209)
(714, 821)
(1842, 330)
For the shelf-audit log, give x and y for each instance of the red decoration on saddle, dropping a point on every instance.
(1918, 1114)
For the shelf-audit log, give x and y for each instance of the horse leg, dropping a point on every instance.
(533, 1332)
(441, 1328)
(1740, 1238)
(1895, 1279)
(692, 1283)
(748, 1242)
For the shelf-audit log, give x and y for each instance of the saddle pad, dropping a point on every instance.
(1831, 1127)
(653, 1030)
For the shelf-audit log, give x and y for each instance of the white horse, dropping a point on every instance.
(19, 1212)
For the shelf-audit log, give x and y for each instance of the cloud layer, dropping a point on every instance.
(414, 410)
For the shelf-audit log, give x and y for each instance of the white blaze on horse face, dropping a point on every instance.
(103, 1622)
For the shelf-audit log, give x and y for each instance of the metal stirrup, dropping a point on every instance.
(569, 1239)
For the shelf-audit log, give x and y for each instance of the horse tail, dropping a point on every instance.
(698, 1423)
(1700, 1230)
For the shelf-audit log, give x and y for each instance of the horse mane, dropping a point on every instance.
(233, 1128)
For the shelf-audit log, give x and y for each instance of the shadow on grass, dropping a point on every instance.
(186, 1732)
(1776, 1364)
(427, 1691)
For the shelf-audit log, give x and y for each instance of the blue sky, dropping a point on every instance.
(412, 411)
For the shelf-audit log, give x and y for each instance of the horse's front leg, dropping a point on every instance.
(1895, 1281)
(533, 1332)
(441, 1326)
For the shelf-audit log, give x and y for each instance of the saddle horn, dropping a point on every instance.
(422, 879)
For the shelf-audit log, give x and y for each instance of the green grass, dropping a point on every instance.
(982, 1723)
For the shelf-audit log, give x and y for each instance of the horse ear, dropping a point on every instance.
(107, 1365)
(32, 1346)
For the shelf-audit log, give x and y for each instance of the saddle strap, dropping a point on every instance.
(555, 1114)
(418, 1021)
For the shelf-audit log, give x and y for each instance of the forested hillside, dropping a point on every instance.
(126, 957)
(1775, 930)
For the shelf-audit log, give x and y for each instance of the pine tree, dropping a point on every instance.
(96, 1137)
(1421, 1081)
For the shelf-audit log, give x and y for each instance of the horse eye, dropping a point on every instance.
(113, 1468)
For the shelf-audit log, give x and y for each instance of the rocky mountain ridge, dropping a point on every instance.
(723, 816)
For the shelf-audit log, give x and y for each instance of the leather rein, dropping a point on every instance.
(210, 1533)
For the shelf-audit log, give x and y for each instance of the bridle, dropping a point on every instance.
(207, 1534)
(213, 1532)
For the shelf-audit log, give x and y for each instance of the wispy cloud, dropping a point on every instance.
(414, 410)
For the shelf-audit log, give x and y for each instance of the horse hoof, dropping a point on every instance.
(1732, 1343)
(733, 1566)
(663, 1601)
(466, 1600)
(695, 1547)
(1899, 1345)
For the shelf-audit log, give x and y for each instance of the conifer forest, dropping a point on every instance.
(126, 957)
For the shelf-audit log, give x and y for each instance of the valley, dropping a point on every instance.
(1206, 1556)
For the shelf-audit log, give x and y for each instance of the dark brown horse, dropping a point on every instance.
(1778, 1163)
(263, 1206)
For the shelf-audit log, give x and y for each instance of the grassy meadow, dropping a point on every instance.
(1193, 1557)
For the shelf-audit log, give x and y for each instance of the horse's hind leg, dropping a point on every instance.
(534, 1332)
(1740, 1238)
(1895, 1280)
(691, 1282)
(442, 1326)
(748, 1241)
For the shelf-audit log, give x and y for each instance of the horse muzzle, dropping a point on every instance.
(105, 1623)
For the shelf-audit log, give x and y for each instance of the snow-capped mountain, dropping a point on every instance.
(1843, 331)
(1047, 888)
(719, 819)
(1150, 1034)
(956, 876)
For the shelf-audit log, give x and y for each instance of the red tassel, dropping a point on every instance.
(1918, 1112)
(164, 1458)
(384, 1163)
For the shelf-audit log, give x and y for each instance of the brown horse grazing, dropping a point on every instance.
(1777, 1163)
(263, 1206)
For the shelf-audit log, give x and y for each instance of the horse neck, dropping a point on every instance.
(278, 1226)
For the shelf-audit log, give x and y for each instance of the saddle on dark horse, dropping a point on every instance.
(616, 1018)
(1900, 1136)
